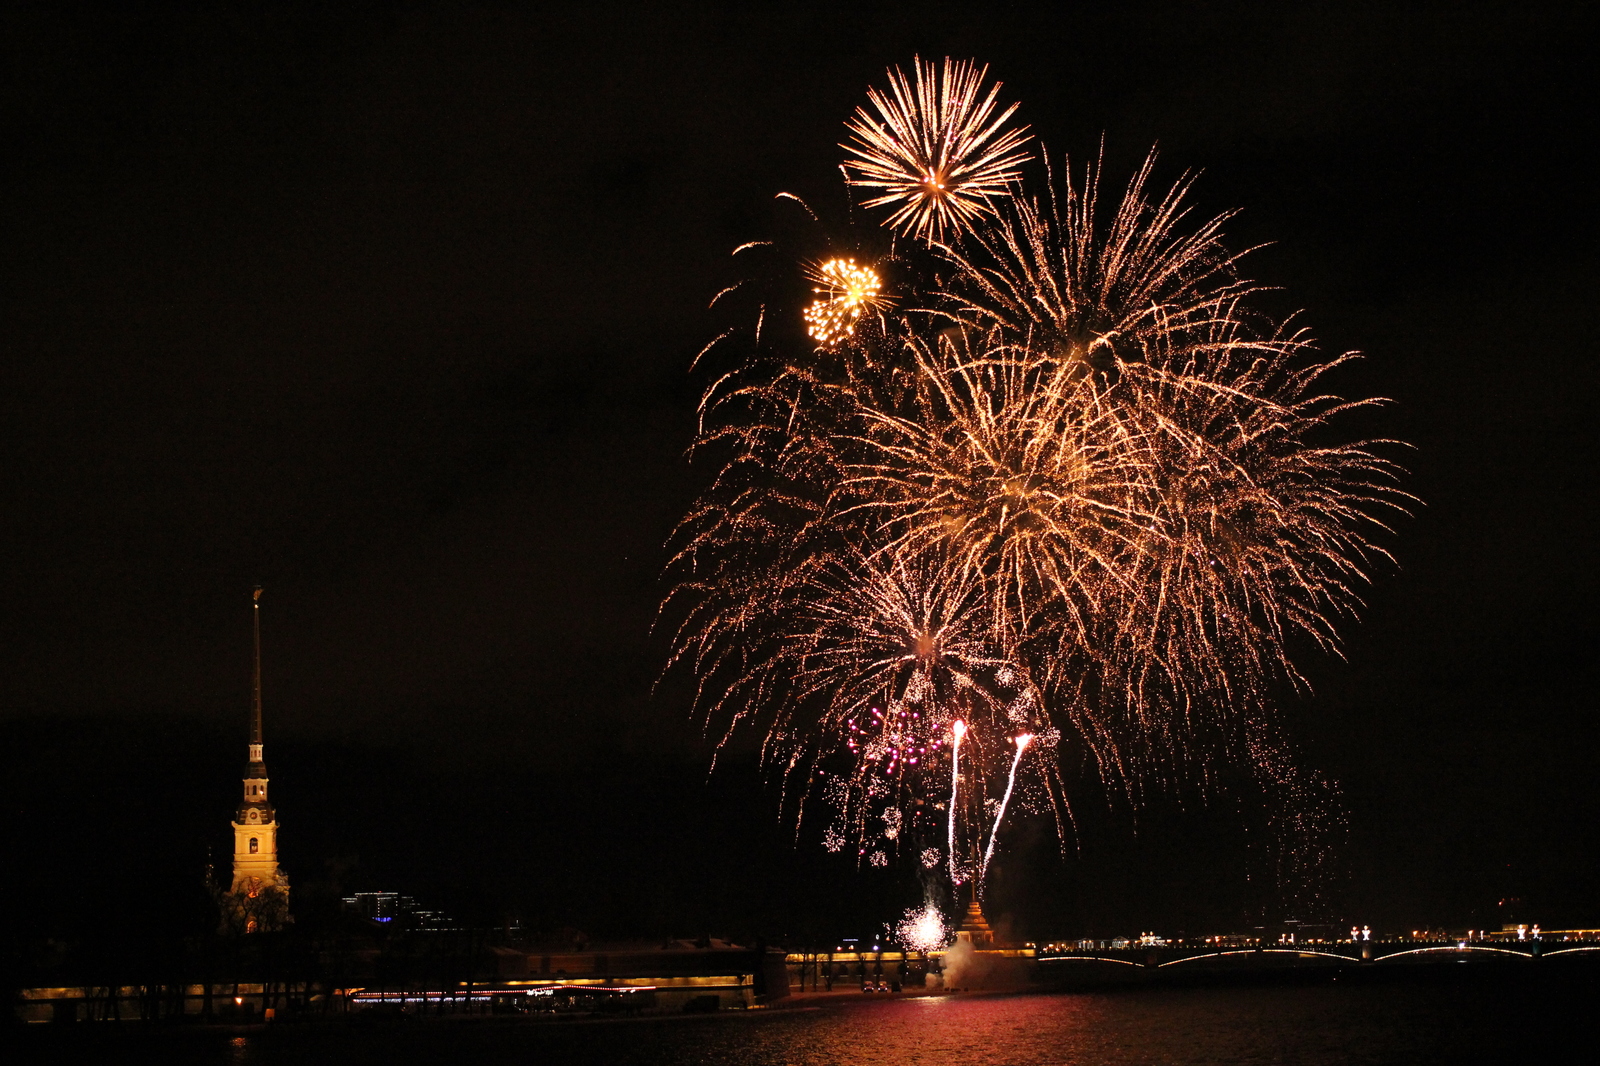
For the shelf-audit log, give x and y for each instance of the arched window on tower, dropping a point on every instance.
(255, 845)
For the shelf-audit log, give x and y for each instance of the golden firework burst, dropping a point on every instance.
(845, 291)
(1077, 493)
(937, 149)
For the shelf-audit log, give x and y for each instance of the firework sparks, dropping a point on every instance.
(958, 733)
(1022, 741)
(845, 291)
(1091, 289)
(923, 929)
(937, 150)
(1069, 499)
(1299, 861)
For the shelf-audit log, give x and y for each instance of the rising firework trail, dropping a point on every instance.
(1072, 487)
(958, 733)
(1005, 801)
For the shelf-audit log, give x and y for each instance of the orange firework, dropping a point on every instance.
(845, 291)
(938, 151)
(1074, 493)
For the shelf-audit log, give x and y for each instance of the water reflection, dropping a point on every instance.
(1439, 1019)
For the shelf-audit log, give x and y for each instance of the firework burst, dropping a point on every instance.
(879, 682)
(1241, 532)
(1015, 469)
(845, 291)
(1094, 289)
(923, 929)
(938, 150)
(1067, 497)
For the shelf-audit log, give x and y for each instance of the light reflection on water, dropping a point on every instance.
(1498, 1020)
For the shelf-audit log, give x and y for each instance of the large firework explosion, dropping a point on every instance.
(1043, 481)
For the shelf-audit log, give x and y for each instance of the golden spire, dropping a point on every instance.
(255, 700)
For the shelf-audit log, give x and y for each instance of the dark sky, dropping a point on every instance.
(389, 308)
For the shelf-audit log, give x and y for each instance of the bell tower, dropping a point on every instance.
(255, 825)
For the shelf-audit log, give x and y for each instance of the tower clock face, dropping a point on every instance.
(253, 817)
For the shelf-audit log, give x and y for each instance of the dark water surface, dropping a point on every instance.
(1442, 1019)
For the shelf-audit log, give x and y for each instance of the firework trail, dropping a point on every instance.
(1070, 489)
(1005, 801)
(958, 733)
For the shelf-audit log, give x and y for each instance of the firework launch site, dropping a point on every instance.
(446, 971)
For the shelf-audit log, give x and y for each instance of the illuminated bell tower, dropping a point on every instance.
(255, 827)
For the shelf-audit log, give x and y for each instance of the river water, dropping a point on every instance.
(1433, 1018)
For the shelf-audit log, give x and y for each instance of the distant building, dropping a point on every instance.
(386, 907)
(258, 895)
(974, 928)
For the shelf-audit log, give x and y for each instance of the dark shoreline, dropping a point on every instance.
(1107, 981)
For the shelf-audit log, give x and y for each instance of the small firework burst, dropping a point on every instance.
(937, 150)
(923, 929)
(845, 291)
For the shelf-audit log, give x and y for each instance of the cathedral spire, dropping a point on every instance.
(260, 891)
(255, 692)
(255, 769)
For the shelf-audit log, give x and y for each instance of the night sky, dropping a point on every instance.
(390, 310)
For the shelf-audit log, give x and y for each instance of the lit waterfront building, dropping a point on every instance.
(258, 896)
(974, 928)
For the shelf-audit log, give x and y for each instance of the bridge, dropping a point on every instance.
(1362, 952)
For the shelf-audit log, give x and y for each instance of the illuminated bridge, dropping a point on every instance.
(1365, 952)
